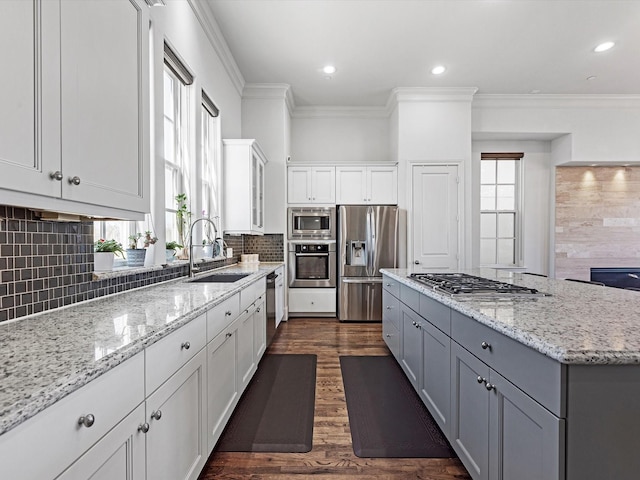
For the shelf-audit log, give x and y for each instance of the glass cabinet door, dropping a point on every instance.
(257, 193)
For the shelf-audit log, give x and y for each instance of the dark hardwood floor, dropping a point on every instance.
(332, 455)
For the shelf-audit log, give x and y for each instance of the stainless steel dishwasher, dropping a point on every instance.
(271, 307)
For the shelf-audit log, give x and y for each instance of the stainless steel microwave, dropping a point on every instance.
(311, 223)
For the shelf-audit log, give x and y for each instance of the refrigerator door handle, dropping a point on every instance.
(369, 241)
(362, 280)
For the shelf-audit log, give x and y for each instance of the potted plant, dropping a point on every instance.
(135, 255)
(170, 251)
(183, 220)
(104, 253)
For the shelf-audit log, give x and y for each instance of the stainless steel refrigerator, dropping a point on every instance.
(367, 242)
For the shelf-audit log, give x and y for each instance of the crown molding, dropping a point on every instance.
(270, 91)
(211, 29)
(430, 94)
(339, 112)
(555, 101)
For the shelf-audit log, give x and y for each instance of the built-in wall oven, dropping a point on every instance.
(312, 265)
(311, 223)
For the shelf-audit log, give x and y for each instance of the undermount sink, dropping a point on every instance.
(221, 278)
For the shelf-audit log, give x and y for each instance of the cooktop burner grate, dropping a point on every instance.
(464, 284)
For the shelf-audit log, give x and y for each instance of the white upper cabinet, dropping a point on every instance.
(311, 184)
(358, 185)
(244, 164)
(74, 130)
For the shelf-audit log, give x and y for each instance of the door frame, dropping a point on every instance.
(462, 246)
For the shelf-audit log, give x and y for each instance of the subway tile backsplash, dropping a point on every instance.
(45, 264)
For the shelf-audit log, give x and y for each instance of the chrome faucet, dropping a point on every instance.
(192, 269)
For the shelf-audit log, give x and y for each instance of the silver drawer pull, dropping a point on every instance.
(481, 380)
(157, 415)
(185, 346)
(228, 334)
(489, 386)
(57, 175)
(74, 180)
(227, 313)
(258, 309)
(485, 346)
(388, 307)
(144, 427)
(87, 420)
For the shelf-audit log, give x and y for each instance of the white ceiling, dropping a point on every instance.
(498, 46)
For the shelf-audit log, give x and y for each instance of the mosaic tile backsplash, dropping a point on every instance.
(45, 264)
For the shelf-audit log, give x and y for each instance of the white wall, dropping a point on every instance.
(328, 138)
(537, 201)
(602, 128)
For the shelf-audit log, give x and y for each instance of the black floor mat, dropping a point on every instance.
(386, 416)
(275, 414)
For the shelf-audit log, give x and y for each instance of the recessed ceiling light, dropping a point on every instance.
(329, 69)
(603, 47)
(438, 70)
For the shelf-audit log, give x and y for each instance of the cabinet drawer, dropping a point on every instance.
(312, 300)
(391, 285)
(436, 313)
(49, 442)
(538, 375)
(220, 316)
(166, 356)
(410, 297)
(390, 308)
(251, 292)
(391, 336)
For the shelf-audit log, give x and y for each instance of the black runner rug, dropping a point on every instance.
(386, 416)
(275, 414)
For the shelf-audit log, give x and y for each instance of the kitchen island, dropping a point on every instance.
(120, 349)
(535, 387)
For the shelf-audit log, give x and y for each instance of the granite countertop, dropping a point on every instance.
(47, 356)
(578, 324)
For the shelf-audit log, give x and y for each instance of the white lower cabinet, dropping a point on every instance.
(177, 439)
(312, 301)
(119, 455)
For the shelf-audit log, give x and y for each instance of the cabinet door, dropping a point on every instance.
(470, 411)
(279, 296)
(382, 185)
(260, 331)
(323, 185)
(246, 342)
(410, 345)
(435, 382)
(526, 440)
(105, 105)
(29, 150)
(177, 437)
(299, 184)
(119, 455)
(222, 382)
(257, 194)
(351, 185)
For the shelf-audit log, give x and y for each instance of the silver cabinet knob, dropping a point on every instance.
(485, 345)
(228, 334)
(227, 313)
(481, 380)
(258, 309)
(417, 262)
(143, 427)
(157, 415)
(413, 323)
(57, 175)
(388, 307)
(388, 336)
(87, 420)
(388, 284)
(185, 346)
(74, 180)
(489, 386)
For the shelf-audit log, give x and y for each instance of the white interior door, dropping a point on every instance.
(435, 217)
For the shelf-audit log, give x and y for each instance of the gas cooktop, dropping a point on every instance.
(463, 284)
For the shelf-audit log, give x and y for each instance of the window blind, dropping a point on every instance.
(172, 61)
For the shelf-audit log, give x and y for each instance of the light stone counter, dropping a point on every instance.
(578, 324)
(47, 356)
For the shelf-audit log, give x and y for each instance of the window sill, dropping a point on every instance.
(122, 271)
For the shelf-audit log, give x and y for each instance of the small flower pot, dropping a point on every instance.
(208, 251)
(135, 257)
(170, 255)
(103, 261)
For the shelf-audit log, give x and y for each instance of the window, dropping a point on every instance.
(210, 163)
(499, 209)
(176, 138)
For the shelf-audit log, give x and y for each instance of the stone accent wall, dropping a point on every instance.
(597, 219)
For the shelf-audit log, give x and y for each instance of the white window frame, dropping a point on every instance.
(517, 211)
(210, 173)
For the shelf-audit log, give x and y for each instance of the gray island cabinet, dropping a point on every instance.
(514, 404)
